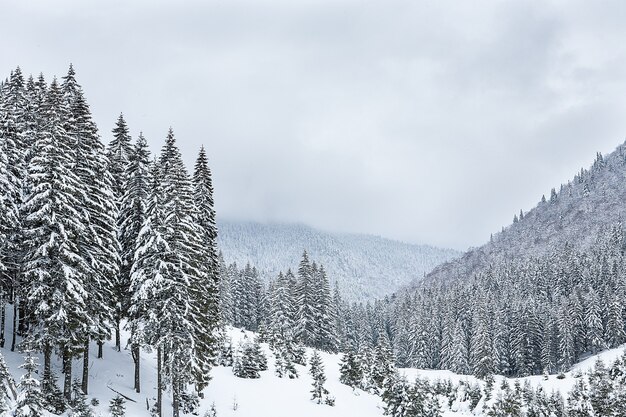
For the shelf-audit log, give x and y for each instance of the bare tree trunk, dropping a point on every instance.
(67, 374)
(159, 383)
(118, 343)
(85, 381)
(175, 395)
(14, 339)
(47, 353)
(136, 352)
(3, 320)
(23, 324)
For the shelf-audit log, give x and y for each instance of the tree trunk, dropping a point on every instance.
(23, 324)
(85, 382)
(175, 395)
(14, 339)
(135, 352)
(118, 343)
(100, 344)
(159, 383)
(47, 353)
(67, 374)
(3, 322)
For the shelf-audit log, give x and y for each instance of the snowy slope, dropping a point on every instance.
(366, 267)
(268, 396)
(271, 396)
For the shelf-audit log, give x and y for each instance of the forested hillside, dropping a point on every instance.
(366, 267)
(545, 292)
(572, 214)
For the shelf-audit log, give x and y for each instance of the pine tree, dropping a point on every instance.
(601, 391)
(394, 395)
(153, 261)
(98, 245)
(117, 407)
(319, 378)
(185, 313)
(55, 269)
(14, 133)
(305, 316)
(578, 401)
(247, 361)
(383, 365)
(593, 323)
(351, 370)
(326, 332)
(507, 404)
(282, 312)
(460, 355)
(30, 402)
(133, 216)
(206, 290)
(482, 352)
(119, 153)
(285, 353)
(7, 386)
(615, 326)
(78, 403)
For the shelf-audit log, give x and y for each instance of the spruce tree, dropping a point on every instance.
(98, 244)
(7, 386)
(351, 370)
(117, 407)
(206, 283)
(247, 363)
(55, 269)
(30, 402)
(305, 300)
(14, 131)
(319, 378)
(119, 152)
(133, 216)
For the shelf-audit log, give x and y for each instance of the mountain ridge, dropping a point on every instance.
(574, 215)
(365, 266)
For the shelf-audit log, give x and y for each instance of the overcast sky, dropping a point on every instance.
(425, 121)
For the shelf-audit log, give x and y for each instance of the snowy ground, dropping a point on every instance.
(268, 396)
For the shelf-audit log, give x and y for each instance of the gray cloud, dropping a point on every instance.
(424, 121)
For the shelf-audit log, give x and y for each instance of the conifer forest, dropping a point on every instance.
(110, 243)
(312, 209)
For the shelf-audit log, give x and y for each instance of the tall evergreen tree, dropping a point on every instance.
(119, 152)
(305, 300)
(133, 216)
(206, 289)
(98, 244)
(55, 269)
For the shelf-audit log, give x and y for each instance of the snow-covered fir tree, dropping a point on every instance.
(30, 402)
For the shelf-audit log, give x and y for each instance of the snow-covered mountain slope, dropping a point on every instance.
(270, 396)
(366, 267)
(573, 214)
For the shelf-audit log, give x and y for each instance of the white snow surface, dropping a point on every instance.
(268, 396)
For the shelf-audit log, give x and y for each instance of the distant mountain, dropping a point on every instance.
(573, 214)
(366, 267)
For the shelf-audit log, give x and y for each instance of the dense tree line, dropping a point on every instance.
(517, 317)
(293, 308)
(93, 238)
